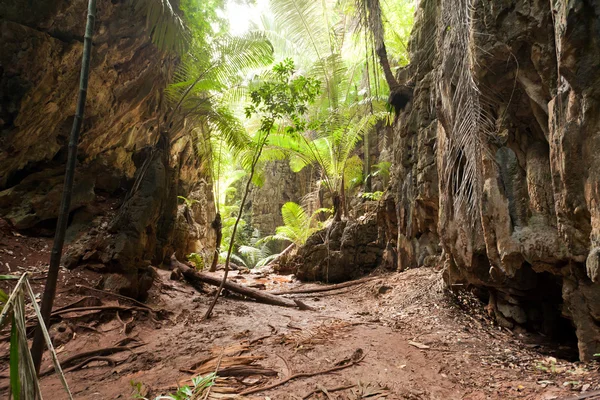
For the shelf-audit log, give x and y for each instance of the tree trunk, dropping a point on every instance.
(235, 226)
(337, 209)
(63, 217)
(375, 24)
(343, 202)
(217, 225)
(367, 156)
(385, 64)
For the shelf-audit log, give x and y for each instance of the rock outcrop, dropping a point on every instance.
(496, 165)
(343, 251)
(118, 153)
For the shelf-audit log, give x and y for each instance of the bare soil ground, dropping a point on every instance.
(418, 341)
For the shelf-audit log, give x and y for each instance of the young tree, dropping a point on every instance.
(281, 100)
(207, 81)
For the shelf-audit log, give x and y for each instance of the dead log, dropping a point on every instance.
(326, 288)
(193, 276)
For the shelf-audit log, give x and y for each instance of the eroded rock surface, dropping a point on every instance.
(118, 154)
(529, 228)
(343, 251)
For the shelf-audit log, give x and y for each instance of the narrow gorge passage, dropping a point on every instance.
(299, 199)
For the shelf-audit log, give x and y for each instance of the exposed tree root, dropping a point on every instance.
(92, 308)
(356, 358)
(82, 364)
(119, 296)
(119, 347)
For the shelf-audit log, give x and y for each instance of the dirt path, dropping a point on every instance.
(418, 342)
(465, 358)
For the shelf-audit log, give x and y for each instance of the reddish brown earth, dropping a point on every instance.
(464, 355)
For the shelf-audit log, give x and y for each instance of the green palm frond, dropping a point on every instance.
(167, 28)
(353, 172)
(304, 24)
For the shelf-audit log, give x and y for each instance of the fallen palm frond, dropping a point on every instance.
(210, 364)
(355, 359)
(229, 362)
(316, 335)
(467, 123)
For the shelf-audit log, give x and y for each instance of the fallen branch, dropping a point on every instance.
(326, 288)
(194, 276)
(246, 370)
(73, 304)
(322, 389)
(355, 359)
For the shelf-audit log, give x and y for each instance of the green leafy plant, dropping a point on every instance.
(189, 392)
(298, 226)
(281, 97)
(197, 260)
(374, 196)
(188, 202)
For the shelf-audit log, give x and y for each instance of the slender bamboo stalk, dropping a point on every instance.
(59, 238)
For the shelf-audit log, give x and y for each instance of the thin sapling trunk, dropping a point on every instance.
(283, 98)
(235, 226)
(63, 217)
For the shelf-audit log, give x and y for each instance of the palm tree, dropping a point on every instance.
(331, 149)
(370, 16)
(340, 120)
(207, 81)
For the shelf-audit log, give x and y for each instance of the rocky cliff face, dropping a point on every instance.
(39, 71)
(496, 158)
(280, 186)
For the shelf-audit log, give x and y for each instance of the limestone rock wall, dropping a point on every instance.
(280, 186)
(529, 231)
(40, 58)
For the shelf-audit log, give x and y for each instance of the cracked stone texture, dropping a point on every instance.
(536, 237)
(39, 75)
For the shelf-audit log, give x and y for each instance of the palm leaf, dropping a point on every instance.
(167, 29)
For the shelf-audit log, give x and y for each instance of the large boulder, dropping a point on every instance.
(343, 251)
